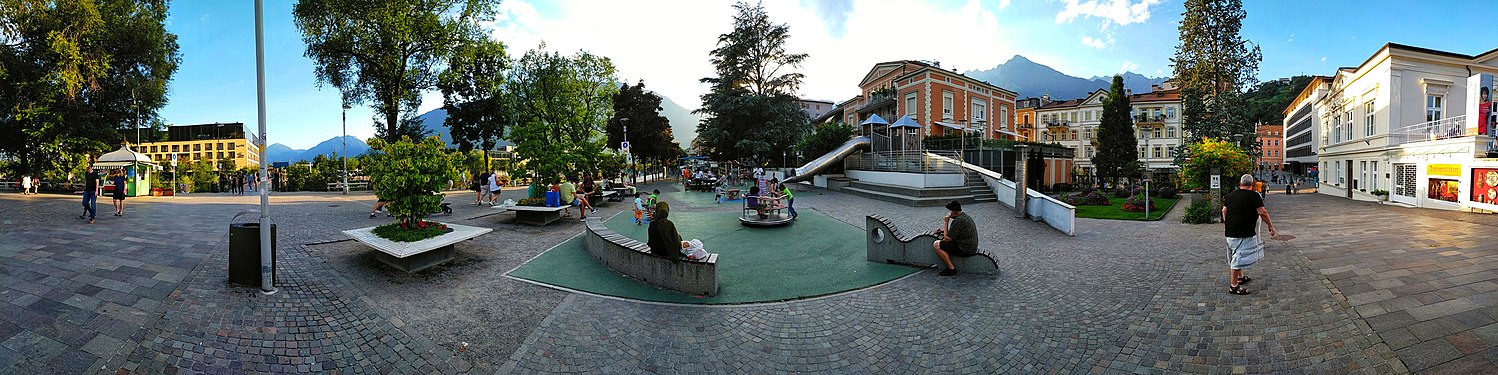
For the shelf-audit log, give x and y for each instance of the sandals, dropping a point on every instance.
(1238, 290)
(1244, 280)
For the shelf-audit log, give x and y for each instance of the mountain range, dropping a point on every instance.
(278, 152)
(1031, 79)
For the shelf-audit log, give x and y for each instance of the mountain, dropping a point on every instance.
(683, 121)
(279, 152)
(1032, 79)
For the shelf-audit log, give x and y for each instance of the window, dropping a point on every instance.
(1170, 112)
(231, 145)
(1341, 179)
(1155, 151)
(1433, 107)
(1170, 131)
(1157, 133)
(910, 105)
(1362, 174)
(1337, 129)
(980, 110)
(220, 145)
(175, 149)
(946, 105)
(1350, 121)
(220, 154)
(197, 147)
(1170, 151)
(1089, 115)
(1003, 117)
(1373, 182)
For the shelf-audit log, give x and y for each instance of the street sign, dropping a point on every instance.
(1216, 181)
(624, 147)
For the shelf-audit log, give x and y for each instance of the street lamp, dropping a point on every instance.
(1146, 136)
(344, 153)
(628, 158)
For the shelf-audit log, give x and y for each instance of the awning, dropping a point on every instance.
(1002, 131)
(122, 164)
(951, 125)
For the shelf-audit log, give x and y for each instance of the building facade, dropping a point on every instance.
(210, 142)
(1408, 121)
(815, 108)
(1303, 128)
(1271, 147)
(944, 102)
(1157, 126)
(1024, 118)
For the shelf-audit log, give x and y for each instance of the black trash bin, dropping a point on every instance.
(244, 254)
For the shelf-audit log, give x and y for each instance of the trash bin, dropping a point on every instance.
(244, 254)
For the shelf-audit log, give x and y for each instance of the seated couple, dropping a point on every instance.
(665, 242)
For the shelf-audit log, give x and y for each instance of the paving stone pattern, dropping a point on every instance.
(1361, 288)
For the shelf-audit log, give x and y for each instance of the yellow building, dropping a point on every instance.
(211, 142)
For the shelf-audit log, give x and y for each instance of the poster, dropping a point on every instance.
(1443, 189)
(1485, 185)
(1481, 96)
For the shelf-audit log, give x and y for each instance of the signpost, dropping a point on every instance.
(1216, 181)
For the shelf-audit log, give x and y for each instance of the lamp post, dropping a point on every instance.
(1146, 136)
(344, 153)
(628, 158)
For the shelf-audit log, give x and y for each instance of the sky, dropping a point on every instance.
(665, 43)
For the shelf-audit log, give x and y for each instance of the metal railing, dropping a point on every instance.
(1446, 128)
(908, 161)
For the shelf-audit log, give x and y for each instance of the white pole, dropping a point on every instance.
(265, 254)
(344, 153)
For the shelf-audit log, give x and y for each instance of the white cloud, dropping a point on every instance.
(1093, 42)
(671, 56)
(1323, 58)
(1122, 12)
(1128, 67)
(1003, 4)
(1292, 38)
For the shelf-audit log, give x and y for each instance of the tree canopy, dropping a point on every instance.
(1214, 65)
(1116, 154)
(478, 107)
(650, 135)
(562, 103)
(751, 108)
(386, 52)
(75, 74)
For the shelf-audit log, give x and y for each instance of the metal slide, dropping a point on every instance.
(816, 166)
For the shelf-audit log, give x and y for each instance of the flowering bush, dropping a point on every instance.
(1087, 197)
(1202, 156)
(411, 176)
(1138, 203)
(531, 202)
(1121, 193)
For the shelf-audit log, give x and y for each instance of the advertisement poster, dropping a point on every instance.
(1485, 185)
(1444, 189)
(1481, 96)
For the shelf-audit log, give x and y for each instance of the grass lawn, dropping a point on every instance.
(1115, 211)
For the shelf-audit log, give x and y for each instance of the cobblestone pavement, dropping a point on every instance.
(147, 294)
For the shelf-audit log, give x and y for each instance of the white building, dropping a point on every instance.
(815, 108)
(1303, 127)
(1405, 121)
(1157, 123)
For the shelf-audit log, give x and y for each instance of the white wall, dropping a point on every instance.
(909, 179)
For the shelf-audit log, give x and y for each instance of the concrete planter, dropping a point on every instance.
(419, 255)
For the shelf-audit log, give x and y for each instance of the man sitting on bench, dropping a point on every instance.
(959, 237)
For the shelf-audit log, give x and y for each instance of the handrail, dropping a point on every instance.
(1446, 128)
(912, 161)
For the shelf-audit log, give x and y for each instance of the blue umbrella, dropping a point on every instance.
(874, 120)
(904, 122)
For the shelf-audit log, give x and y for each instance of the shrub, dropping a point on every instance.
(1380, 192)
(411, 176)
(1088, 197)
(1137, 203)
(1121, 193)
(1231, 161)
(401, 232)
(1166, 192)
(1199, 212)
(538, 202)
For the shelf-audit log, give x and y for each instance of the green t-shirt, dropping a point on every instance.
(786, 191)
(569, 192)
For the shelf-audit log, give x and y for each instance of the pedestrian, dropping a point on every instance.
(119, 192)
(25, 185)
(1241, 211)
(90, 193)
(494, 188)
(480, 188)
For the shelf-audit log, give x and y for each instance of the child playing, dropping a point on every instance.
(639, 210)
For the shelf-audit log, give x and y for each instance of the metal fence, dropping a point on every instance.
(1446, 128)
(910, 161)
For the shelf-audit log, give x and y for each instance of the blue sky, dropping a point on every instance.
(665, 43)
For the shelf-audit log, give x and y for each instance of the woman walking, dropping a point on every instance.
(119, 192)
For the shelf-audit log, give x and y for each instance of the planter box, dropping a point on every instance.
(419, 255)
(162, 192)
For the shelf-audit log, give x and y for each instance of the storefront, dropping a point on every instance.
(138, 170)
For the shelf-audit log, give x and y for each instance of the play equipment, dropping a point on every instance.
(816, 166)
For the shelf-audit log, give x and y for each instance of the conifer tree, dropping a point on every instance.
(1116, 156)
(751, 109)
(1214, 64)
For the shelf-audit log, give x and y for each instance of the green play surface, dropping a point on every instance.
(817, 255)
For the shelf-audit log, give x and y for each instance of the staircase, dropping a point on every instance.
(979, 189)
(919, 197)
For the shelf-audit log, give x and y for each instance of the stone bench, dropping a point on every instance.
(537, 215)
(886, 244)
(419, 255)
(633, 259)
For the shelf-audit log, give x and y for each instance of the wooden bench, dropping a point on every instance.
(887, 245)
(537, 215)
(632, 258)
(419, 255)
(332, 186)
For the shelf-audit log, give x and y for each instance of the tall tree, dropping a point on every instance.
(74, 74)
(386, 52)
(1117, 154)
(562, 103)
(650, 135)
(750, 110)
(1214, 65)
(477, 107)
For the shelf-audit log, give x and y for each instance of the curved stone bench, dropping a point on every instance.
(632, 258)
(886, 244)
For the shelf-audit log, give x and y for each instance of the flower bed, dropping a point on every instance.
(1115, 210)
(1138, 203)
(400, 232)
(1087, 197)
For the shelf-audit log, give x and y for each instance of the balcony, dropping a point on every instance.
(1149, 120)
(877, 100)
(1057, 124)
(1446, 128)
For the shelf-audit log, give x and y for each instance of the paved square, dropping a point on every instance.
(1361, 288)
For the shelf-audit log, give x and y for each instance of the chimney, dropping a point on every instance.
(1154, 87)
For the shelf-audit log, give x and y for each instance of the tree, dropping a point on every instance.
(478, 109)
(74, 74)
(650, 135)
(386, 52)
(562, 103)
(1214, 64)
(825, 138)
(411, 175)
(1117, 154)
(1208, 153)
(750, 109)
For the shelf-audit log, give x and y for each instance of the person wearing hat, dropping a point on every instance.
(959, 237)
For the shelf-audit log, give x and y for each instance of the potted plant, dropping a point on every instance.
(1383, 195)
(411, 177)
